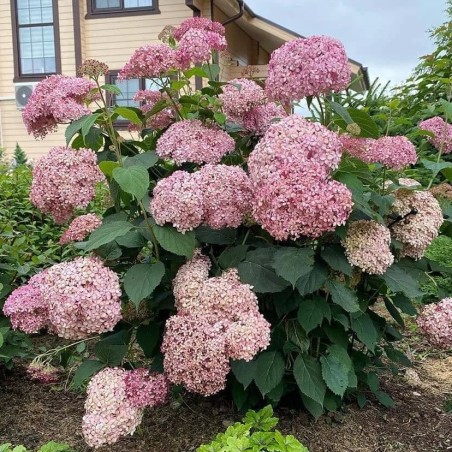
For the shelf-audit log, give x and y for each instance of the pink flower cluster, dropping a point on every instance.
(442, 139)
(218, 319)
(163, 118)
(307, 67)
(367, 245)
(240, 96)
(393, 152)
(80, 228)
(114, 403)
(198, 23)
(58, 99)
(435, 322)
(260, 118)
(43, 372)
(217, 195)
(293, 194)
(191, 141)
(26, 307)
(421, 219)
(63, 180)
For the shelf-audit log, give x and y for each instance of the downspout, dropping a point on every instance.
(237, 16)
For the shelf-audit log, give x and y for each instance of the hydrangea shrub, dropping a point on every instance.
(246, 247)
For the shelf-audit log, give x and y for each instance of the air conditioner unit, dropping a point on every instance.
(22, 93)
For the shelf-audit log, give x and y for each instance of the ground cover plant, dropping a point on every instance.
(247, 249)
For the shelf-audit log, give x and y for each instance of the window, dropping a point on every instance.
(35, 38)
(110, 8)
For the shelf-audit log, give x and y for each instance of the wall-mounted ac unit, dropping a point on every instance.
(22, 93)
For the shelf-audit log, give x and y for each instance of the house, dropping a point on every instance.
(43, 37)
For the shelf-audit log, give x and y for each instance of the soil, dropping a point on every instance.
(32, 414)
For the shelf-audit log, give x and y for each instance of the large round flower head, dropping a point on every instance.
(442, 131)
(198, 23)
(435, 322)
(149, 61)
(357, 146)
(189, 280)
(43, 372)
(240, 96)
(195, 355)
(149, 99)
(442, 191)
(307, 67)
(109, 414)
(83, 297)
(58, 99)
(260, 118)
(144, 389)
(196, 47)
(226, 195)
(192, 141)
(367, 246)
(26, 306)
(63, 180)
(178, 199)
(80, 228)
(420, 218)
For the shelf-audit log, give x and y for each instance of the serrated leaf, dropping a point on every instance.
(106, 233)
(111, 354)
(308, 375)
(148, 337)
(291, 263)
(335, 369)
(313, 280)
(262, 278)
(231, 257)
(315, 408)
(87, 369)
(365, 330)
(107, 167)
(88, 123)
(74, 127)
(384, 399)
(398, 280)
(394, 312)
(404, 304)
(146, 160)
(244, 371)
(225, 236)
(343, 296)
(142, 279)
(269, 371)
(312, 312)
(369, 128)
(133, 180)
(334, 256)
(129, 114)
(175, 242)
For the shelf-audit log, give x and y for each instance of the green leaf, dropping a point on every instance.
(365, 330)
(175, 242)
(297, 336)
(287, 443)
(434, 166)
(111, 89)
(148, 337)
(313, 280)
(369, 128)
(129, 114)
(308, 375)
(225, 236)
(133, 239)
(335, 369)
(231, 257)
(244, 371)
(394, 313)
(341, 111)
(146, 160)
(219, 117)
(261, 278)
(157, 108)
(107, 167)
(404, 304)
(261, 420)
(110, 354)
(269, 371)
(88, 123)
(291, 263)
(384, 399)
(74, 127)
(315, 408)
(373, 381)
(52, 446)
(133, 180)
(337, 334)
(334, 256)
(195, 71)
(397, 356)
(142, 279)
(312, 312)
(87, 369)
(1, 340)
(343, 296)
(106, 233)
(398, 280)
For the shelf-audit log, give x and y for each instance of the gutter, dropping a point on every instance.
(242, 6)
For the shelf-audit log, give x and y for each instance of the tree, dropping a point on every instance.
(20, 158)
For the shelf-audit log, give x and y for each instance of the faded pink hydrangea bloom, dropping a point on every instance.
(109, 414)
(58, 99)
(393, 152)
(198, 23)
(435, 322)
(178, 199)
(226, 195)
(43, 373)
(160, 120)
(27, 308)
(260, 118)
(192, 141)
(80, 228)
(64, 180)
(421, 219)
(442, 139)
(83, 297)
(196, 47)
(149, 61)
(240, 96)
(144, 389)
(307, 67)
(367, 246)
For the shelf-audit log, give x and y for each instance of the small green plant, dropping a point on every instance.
(255, 433)
(20, 158)
(447, 406)
(52, 446)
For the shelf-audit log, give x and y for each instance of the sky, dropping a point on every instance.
(387, 36)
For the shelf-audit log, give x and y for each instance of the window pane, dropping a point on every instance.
(24, 35)
(128, 89)
(50, 65)
(26, 66)
(137, 3)
(105, 4)
(23, 16)
(36, 35)
(38, 66)
(37, 50)
(26, 50)
(23, 4)
(47, 15)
